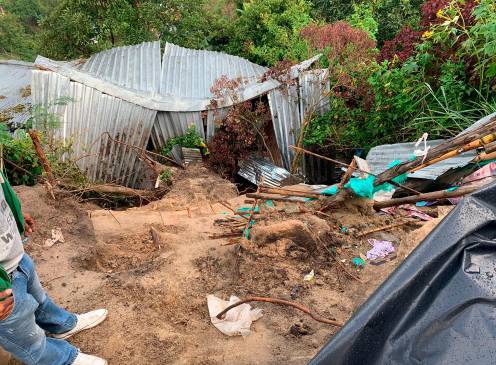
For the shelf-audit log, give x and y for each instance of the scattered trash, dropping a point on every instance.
(57, 236)
(344, 229)
(380, 250)
(358, 262)
(310, 276)
(237, 321)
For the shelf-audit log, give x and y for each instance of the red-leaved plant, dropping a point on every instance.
(402, 46)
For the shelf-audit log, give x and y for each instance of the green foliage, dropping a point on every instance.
(393, 15)
(443, 88)
(80, 28)
(190, 139)
(268, 31)
(363, 18)
(333, 10)
(14, 40)
(166, 176)
(18, 26)
(21, 162)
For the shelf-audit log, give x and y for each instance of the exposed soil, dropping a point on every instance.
(157, 297)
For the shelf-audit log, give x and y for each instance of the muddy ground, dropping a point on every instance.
(157, 297)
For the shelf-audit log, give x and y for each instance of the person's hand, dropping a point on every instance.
(29, 224)
(7, 305)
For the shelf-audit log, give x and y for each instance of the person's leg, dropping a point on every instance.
(23, 338)
(49, 316)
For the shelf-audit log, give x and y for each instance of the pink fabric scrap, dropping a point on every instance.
(380, 249)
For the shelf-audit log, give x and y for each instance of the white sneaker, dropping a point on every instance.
(84, 322)
(83, 359)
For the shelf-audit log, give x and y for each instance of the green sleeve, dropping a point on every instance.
(14, 204)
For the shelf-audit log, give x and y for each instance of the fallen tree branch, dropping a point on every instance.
(436, 195)
(280, 302)
(114, 189)
(51, 182)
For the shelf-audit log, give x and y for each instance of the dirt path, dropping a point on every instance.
(157, 298)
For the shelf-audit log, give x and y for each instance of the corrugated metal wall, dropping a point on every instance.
(284, 106)
(289, 106)
(88, 118)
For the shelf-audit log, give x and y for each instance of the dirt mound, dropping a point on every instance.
(196, 186)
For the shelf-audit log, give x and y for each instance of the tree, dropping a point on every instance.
(268, 31)
(81, 27)
(14, 41)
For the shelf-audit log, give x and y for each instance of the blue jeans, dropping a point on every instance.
(22, 333)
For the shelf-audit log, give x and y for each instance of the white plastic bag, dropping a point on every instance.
(237, 321)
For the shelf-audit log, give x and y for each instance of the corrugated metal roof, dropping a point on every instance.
(254, 168)
(110, 82)
(133, 67)
(190, 73)
(15, 77)
(380, 157)
(178, 76)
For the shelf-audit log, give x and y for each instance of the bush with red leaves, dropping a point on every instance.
(402, 46)
(239, 134)
(343, 42)
(350, 51)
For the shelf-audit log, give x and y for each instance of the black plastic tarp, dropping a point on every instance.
(439, 306)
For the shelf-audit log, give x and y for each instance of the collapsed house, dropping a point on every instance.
(129, 98)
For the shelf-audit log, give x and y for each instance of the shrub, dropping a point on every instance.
(402, 47)
(240, 133)
(190, 139)
(22, 165)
